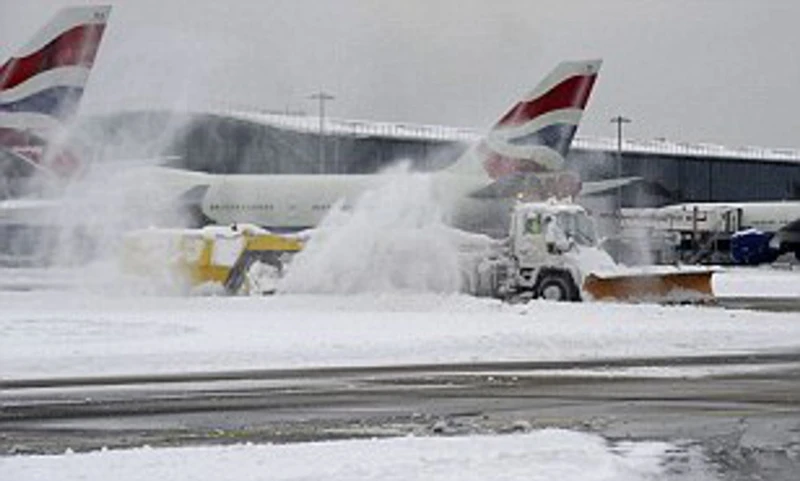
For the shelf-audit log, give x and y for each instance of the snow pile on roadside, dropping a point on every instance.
(45, 334)
(542, 455)
(756, 282)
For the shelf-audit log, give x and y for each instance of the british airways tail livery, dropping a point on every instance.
(42, 85)
(536, 132)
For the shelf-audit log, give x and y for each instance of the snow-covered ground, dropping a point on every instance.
(63, 328)
(541, 455)
(762, 281)
(45, 333)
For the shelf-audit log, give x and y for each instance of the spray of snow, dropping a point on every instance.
(395, 238)
(94, 212)
(592, 259)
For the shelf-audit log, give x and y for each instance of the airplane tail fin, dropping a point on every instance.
(41, 86)
(536, 133)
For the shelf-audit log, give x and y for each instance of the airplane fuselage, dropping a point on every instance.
(301, 201)
(764, 216)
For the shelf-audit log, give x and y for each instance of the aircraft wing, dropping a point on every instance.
(28, 211)
(508, 186)
(152, 184)
(511, 185)
(604, 186)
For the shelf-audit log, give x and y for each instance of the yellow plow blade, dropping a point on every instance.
(671, 287)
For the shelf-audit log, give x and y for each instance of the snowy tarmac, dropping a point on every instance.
(86, 366)
(56, 335)
(725, 421)
(99, 330)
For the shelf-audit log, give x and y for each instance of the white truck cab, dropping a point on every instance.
(540, 234)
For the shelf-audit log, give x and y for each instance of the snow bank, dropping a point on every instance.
(45, 334)
(756, 282)
(543, 455)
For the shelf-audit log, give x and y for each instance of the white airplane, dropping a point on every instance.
(523, 152)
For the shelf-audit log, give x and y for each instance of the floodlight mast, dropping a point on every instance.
(322, 97)
(619, 120)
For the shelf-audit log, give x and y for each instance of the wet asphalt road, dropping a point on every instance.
(768, 304)
(747, 424)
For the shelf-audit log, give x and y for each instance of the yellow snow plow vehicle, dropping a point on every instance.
(551, 252)
(238, 258)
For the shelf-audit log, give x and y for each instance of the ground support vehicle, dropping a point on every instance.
(235, 259)
(552, 252)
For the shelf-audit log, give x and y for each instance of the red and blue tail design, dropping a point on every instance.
(41, 86)
(536, 133)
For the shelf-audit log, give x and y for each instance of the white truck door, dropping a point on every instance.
(531, 248)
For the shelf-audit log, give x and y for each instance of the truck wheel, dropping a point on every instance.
(557, 286)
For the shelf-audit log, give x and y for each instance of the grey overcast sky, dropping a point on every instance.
(720, 71)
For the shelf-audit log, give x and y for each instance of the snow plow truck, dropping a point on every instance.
(552, 252)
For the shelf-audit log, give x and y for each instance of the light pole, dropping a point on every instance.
(619, 120)
(322, 97)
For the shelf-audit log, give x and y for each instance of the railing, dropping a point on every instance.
(401, 130)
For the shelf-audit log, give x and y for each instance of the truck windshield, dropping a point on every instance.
(578, 226)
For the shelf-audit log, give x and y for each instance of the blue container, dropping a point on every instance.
(751, 247)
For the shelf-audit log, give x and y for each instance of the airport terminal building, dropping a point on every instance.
(267, 143)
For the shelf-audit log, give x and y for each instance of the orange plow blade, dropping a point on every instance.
(670, 287)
